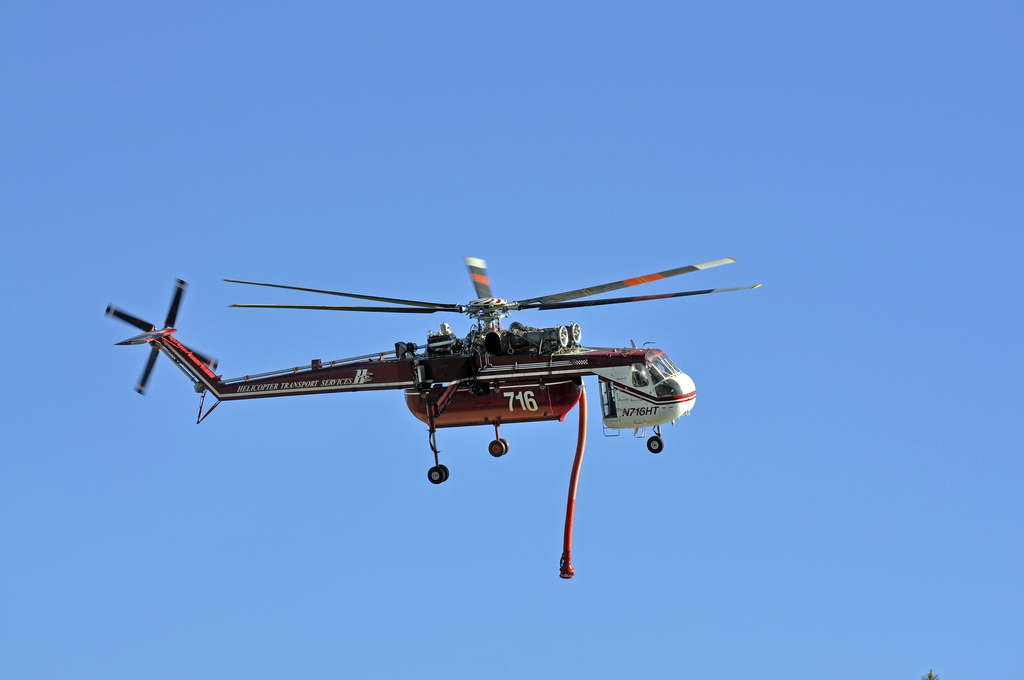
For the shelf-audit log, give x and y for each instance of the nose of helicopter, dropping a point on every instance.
(686, 388)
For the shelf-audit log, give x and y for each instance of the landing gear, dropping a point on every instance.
(655, 443)
(438, 474)
(499, 447)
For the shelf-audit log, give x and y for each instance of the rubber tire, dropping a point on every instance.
(655, 444)
(444, 471)
(496, 448)
(504, 445)
(436, 474)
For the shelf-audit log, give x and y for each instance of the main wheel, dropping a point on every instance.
(437, 474)
(655, 444)
(496, 448)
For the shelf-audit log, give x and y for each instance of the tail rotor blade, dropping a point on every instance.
(172, 313)
(212, 363)
(144, 326)
(153, 354)
(478, 272)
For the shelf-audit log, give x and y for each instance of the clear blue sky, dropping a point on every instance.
(846, 498)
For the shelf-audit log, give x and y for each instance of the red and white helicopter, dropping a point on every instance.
(493, 376)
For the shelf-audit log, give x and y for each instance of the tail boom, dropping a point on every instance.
(349, 377)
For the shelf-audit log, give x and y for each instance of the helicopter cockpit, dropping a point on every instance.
(656, 372)
(655, 391)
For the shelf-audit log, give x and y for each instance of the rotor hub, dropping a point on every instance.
(488, 310)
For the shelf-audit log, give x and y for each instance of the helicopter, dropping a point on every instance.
(492, 376)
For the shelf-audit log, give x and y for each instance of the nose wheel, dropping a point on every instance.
(655, 444)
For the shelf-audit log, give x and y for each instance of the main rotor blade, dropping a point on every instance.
(145, 326)
(172, 313)
(339, 308)
(414, 303)
(597, 290)
(153, 354)
(638, 298)
(478, 272)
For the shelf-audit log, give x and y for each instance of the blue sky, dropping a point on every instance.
(845, 498)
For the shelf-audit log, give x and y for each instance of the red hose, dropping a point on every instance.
(565, 567)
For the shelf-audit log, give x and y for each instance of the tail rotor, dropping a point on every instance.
(151, 334)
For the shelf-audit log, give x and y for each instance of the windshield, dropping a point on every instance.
(660, 367)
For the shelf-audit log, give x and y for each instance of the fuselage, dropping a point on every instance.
(639, 387)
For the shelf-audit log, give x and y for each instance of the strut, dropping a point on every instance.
(439, 473)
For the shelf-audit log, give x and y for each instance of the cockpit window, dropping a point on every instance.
(671, 366)
(660, 367)
(656, 373)
(640, 376)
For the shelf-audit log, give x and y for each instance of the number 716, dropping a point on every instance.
(526, 400)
